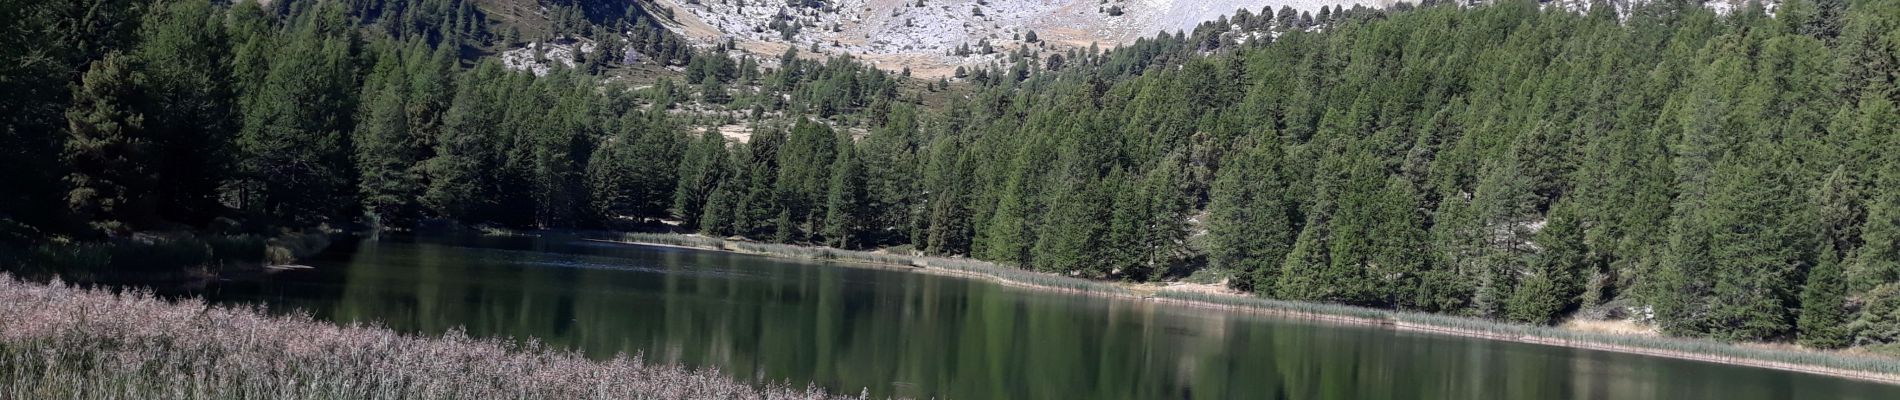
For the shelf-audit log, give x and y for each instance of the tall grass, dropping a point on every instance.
(62, 342)
(964, 265)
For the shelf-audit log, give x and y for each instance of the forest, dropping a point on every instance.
(1719, 174)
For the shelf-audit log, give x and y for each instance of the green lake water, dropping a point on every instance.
(851, 328)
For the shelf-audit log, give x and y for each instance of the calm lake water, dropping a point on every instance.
(897, 333)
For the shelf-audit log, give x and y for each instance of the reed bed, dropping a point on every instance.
(65, 342)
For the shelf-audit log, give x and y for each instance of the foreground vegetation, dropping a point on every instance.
(58, 341)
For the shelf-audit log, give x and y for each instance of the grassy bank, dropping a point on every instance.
(1864, 367)
(167, 257)
(63, 342)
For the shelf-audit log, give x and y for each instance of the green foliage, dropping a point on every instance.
(804, 178)
(1728, 171)
(700, 172)
(388, 153)
(293, 138)
(109, 150)
(1824, 305)
(183, 50)
(1251, 224)
(846, 208)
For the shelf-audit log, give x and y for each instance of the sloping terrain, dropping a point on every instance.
(926, 35)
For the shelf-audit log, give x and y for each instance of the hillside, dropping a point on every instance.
(894, 34)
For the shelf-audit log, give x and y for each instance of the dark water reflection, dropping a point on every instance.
(896, 333)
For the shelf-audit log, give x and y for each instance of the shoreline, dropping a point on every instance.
(64, 341)
(166, 260)
(1710, 351)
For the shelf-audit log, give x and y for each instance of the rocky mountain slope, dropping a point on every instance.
(925, 35)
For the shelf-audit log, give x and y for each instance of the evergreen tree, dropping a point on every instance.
(1878, 261)
(610, 179)
(1742, 287)
(183, 52)
(386, 153)
(293, 136)
(1250, 223)
(657, 154)
(110, 153)
(1824, 304)
(803, 178)
(1554, 279)
(716, 218)
(1008, 233)
(700, 173)
(845, 208)
(460, 169)
(949, 227)
(713, 91)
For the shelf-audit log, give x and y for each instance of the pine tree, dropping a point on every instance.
(1554, 279)
(758, 210)
(1008, 234)
(713, 91)
(557, 152)
(1171, 205)
(111, 156)
(803, 178)
(1068, 239)
(949, 227)
(1250, 223)
(294, 161)
(845, 208)
(460, 169)
(716, 218)
(1508, 201)
(183, 51)
(1301, 274)
(1128, 227)
(700, 172)
(1402, 260)
(1756, 245)
(891, 175)
(1878, 261)
(1823, 304)
(612, 190)
(386, 153)
(657, 151)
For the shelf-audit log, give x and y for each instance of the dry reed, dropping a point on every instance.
(65, 342)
